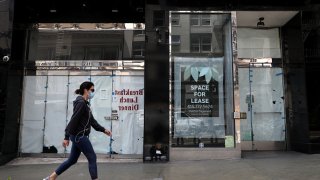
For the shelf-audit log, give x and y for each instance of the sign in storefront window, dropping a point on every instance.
(199, 97)
(201, 89)
(199, 92)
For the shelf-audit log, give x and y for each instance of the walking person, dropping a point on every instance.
(78, 130)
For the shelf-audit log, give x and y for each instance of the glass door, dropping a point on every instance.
(262, 98)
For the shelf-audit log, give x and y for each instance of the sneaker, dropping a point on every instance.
(47, 178)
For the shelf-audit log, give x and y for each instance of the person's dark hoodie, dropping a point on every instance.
(81, 120)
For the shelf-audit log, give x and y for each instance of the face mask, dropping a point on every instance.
(91, 95)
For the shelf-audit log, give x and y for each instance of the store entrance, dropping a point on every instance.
(61, 56)
(262, 99)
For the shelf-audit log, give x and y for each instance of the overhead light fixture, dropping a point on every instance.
(260, 24)
(56, 26)
(35, 26)
(98, 26)
(115, 25)
(139, 9)
(75, 26)
(53, 8)
(138, 26)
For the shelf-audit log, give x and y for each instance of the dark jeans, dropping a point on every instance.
(80, 145)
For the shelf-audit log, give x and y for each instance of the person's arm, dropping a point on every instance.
(66, 134)
(74, 121)
(98, 127)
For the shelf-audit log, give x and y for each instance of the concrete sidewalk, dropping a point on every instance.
(254, 165)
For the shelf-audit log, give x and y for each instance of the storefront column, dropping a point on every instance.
(156, 122)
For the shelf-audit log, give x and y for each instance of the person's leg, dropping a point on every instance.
(73, 158)
(87, 149)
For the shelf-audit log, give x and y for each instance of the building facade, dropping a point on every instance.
(176, 80)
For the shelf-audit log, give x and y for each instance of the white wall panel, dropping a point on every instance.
(32, 114)
(101, 108)
(128, 130)
(52, 107)
(258, 43)
(55, 118)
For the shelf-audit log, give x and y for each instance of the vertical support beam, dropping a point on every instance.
(12, 93)
(295, 85)
(156, 121)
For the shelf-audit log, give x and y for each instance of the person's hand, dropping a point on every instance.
(107, 132)
(65, 143)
